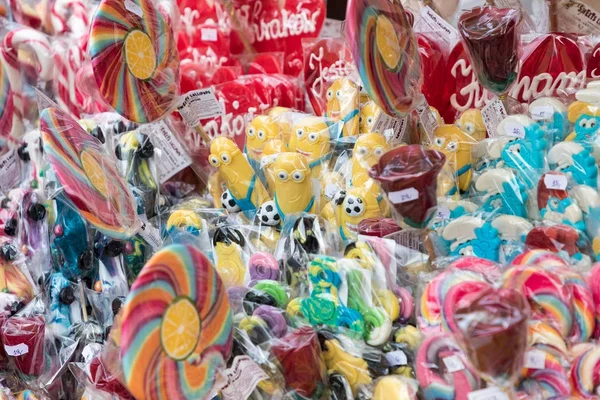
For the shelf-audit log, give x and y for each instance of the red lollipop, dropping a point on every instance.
(325, 61)
(433, 65)
(551, 65)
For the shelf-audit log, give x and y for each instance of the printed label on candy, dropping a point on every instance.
(198, 105)
(542, 113)
(493, 393)
(403, 196)
(16, 350)
(396, 358)
(134, 8)
(431, 22)
(578, 16)
(10, 171)
(392, 128)
(150, 234)
(172, 157)
(208, 34)
(493, 113)
(332, 28)
(514, 129)
(453, 363)
(427, 119)
(555, 181)
(535, 359)
(242, 378)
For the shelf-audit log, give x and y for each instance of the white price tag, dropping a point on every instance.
(404, 196)
(16, 350)
(427, 119)
(442, 213)
(431, 22)
(10, 171)
(242, 378)
(493, 113)
(134, 8)
(395, 358)
(208, 34)
(198, 105)
(492, 393)
(150, 234)
(392, 128)
(332, 28)
(535, 359)
(331, 189)
(555, 181)
(453, 364)
(514, 129)
(172, 157)
(542, 113)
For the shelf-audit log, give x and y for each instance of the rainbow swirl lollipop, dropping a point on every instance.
(385, 53)
(177, 327)
(135, 59)
(88, 175)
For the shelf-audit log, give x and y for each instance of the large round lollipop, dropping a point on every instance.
(177, 327)
(386, 53)
(135, 59)
(88, 175)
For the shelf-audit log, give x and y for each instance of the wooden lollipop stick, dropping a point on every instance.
(553, 15)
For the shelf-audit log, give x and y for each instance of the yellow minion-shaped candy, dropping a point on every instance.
(280, 116)
(259, 131)
(293, 184)
(367, 151)
(471, 122)
(237, 174)
(369, 113)
(351, 207)
(312, 139)
(456, 146)
(272, 148)
(343, 102)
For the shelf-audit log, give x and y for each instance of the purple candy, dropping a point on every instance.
(263, 266)
(274, 318)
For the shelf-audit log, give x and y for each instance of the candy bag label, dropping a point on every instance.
(134, 8)
(208, 34)
(492, 393)
(10, 171)
(392, 128)
(332, 28)
(150, 234)
(558, 182)
(431, 22)
(395, 358)
(16, 350)
(514, 129)
(242, 378)
(428, 120)
(535, 359)
(453, 364)
(198, 105)
(404, 196)
(542, 113)
(577, 16)
(493, 113)
(172, 157)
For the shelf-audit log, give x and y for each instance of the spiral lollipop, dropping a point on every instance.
(135, 59)
(263, 266)
(549, 298)
(177, 327)
(436, 381)
(386, 53)
(88, 175)
(540, 258)
(584, 373)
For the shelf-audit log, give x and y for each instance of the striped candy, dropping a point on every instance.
(172, 273)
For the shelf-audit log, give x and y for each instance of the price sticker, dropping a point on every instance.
(16, 350)
(208, 34)
(453, 364)
(542, 113)
(514, 129)
(442, 213)
(556, 182)
(535, 359)
(396, 358)
(404, 196)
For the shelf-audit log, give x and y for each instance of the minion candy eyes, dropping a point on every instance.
(439, 141)
(330, 94)
(470, 127)
(261, 134)
(452, 146)
(297, 176)
(362, 151)
(313, 137)
(251, 132)
(282, 176)
(300, 133)
(225, 158)
(379, 151)
(213, 160)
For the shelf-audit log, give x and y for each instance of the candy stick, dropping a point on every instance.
(77, 21)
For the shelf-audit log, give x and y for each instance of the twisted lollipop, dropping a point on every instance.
(177, 327)
(549, 298)
(11, 84)
(385, 52)
(584, 373)
(135, 59)
(436, 381)
(88, 175)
